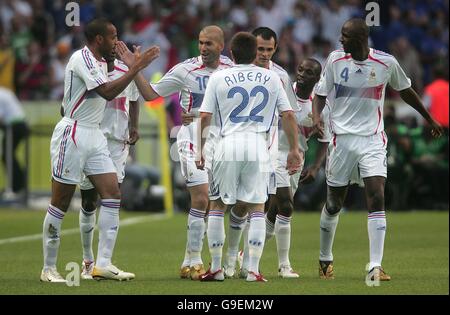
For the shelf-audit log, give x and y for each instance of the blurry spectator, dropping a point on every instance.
(238, 15)
(431, 174)
(7, 62)
(287, 50)
(321, 49)
(32, 74)
(333, 16)
(20, 38)
(305, 21)
(42, 25)
(436, 95)
(270, 13)
(408, 58)
(56, 71)
(12, 119)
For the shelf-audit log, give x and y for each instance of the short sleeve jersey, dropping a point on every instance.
(359, 88)
(83, 74)
(246, 98)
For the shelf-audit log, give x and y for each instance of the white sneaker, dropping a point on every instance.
(86, 269)
(287, 272)
(52, 275)
(111, 272)
(229, 271)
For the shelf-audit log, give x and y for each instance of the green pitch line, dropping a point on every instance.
(416, 256)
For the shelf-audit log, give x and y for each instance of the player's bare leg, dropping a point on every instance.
(196, 229)
(87, 218)
(108, 225)
(328, 223)
(376, 225)
(60, 202)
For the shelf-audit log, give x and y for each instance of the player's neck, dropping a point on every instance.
(212, 65)
(362, 54)
(304, 92)
(94, 51)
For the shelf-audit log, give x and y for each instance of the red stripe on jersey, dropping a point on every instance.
(120, 69)
(198, 68)
(118, 103)
(379, 120)
(379, 61)
(190, 103)
(334, 140)
(78, 104)
(343, 58)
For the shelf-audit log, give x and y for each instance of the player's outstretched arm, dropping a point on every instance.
(128, 58)
(111, 89)
(318, 104)
(410, 97)
(295, 159)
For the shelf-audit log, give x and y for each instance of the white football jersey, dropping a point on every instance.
(83, 74)
(359, 88)
(305, 123)
(116, 117)
(190, 79)
(246, 98)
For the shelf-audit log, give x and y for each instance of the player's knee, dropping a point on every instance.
(333, 209)
(375, 201)
(89, 205)
(286, 208)
(200, 201)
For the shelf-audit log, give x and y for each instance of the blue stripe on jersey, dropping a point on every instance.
(197, 99)
(374, 92)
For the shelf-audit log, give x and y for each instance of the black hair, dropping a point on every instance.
(243, 47)
(266, 33)
(96, 27)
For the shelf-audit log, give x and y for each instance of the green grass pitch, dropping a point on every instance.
(416, 256)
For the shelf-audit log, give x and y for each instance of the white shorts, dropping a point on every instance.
(119, 154)
(272, 144)
(187, 150)
(241, 169)
(283, 178)
(77, 148)
(351, 155)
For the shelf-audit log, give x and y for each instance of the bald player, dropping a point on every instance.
(189, 79)
(359, 75)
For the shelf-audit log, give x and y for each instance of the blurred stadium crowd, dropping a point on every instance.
(35, 44)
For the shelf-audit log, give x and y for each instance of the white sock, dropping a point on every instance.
(187, 257)
(87, 225)
(328, 224)
(270, 228)
(283, 238)
(51, 231)
(196, 231)
(246, 257)
(376, 226)
(216, 238)
(256, 239)
(236, 226)
(108, 227)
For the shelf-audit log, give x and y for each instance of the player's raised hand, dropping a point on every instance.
(145, 58)
(125, 54)
(294, 161)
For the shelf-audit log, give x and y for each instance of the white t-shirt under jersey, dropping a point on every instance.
(116, 117)
(359, 88)
(83, 74)
(246, 98)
